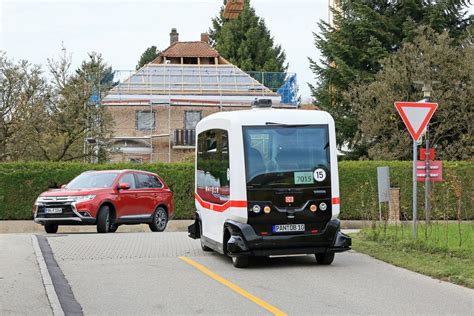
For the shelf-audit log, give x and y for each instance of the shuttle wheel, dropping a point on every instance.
(325, 258)
(240, 262)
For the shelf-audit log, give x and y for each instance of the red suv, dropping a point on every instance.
(107, 199)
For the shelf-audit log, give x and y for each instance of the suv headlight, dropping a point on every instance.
(82, 198)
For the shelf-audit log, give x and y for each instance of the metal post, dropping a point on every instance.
(427, 180)
(414, 188)
(427, 95)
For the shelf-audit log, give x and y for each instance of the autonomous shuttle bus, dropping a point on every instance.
(267, 184)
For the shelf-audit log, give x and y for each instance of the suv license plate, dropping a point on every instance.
(288, 228)
(54, 210)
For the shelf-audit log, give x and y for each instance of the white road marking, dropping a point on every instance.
(46, 278)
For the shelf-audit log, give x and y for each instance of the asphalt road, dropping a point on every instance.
(157, 273)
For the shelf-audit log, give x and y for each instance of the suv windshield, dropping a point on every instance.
(286, 155)
(91, 180)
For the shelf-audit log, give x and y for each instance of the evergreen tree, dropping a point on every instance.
(365, 32)
(246, 42)
(148, 56)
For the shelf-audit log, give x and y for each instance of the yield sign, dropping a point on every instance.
(416, 116)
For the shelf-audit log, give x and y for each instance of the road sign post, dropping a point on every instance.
(414, 188)
(416, 116)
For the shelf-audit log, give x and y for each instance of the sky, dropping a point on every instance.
(35, 30)
(122, 30)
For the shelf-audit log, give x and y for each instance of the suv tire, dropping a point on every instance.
(103, 220)
(51, 228)
(325, 258)
(113, 228)
(159, 220)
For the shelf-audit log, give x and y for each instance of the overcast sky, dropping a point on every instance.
(122, 30)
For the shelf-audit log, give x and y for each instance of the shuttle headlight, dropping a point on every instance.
(267, 209)
(323, 206)
(256, 208)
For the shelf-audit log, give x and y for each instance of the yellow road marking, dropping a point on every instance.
(234, 287)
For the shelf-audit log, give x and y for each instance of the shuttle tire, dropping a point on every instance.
(325, 259)
(240, 262)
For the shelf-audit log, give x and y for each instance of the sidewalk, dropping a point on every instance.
(19, 227)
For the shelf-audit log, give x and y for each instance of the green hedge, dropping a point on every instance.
(21, 183)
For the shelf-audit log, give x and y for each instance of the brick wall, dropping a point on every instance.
(166, 120)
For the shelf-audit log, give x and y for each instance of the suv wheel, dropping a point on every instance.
(159, 220)
(240, 262)
(103, 220)
(325, 258)
(113, 228)
(51, 228)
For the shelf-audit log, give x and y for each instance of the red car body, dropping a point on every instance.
(132, 197)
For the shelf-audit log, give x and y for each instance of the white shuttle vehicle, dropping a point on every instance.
(267, 184)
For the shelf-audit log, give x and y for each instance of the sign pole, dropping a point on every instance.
(427, 180)
(427, 98)
(414, 188)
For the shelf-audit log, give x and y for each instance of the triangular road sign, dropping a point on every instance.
(416, 116)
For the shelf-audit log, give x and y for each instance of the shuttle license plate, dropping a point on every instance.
(288, 228)
(54, 210)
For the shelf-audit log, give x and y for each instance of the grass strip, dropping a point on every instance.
(448, 263)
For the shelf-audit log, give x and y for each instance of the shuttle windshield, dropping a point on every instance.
(286, 155)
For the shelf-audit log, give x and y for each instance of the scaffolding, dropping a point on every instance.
(156, 88)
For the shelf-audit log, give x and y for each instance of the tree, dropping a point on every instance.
(246, 42)
(22, 91)
(365, 32)
(431, 57)
(148, 56)
(75, 117)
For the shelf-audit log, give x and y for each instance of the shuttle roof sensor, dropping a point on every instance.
(261, 103)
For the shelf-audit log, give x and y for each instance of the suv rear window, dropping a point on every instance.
(147, 181)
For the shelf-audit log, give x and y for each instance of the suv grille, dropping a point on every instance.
(66, 210)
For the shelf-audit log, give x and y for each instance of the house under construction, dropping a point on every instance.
(156, 109)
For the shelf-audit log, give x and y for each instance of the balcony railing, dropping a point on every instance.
(184, 138)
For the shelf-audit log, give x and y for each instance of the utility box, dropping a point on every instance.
(383, 182)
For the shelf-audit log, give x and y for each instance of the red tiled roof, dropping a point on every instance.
(189, 49)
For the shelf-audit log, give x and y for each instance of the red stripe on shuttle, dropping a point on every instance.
(217, 207)
(335, 200)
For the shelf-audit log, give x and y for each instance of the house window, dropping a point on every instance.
(145, 120)
(191, 118)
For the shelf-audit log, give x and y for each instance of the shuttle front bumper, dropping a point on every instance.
(244, 241)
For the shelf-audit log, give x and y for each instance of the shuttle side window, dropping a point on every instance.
(213, 184)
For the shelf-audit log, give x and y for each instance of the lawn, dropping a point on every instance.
(443, 251)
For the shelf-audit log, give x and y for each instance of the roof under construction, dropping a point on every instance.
(224, 83)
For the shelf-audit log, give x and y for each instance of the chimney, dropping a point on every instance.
(205, 37)
(174, 36)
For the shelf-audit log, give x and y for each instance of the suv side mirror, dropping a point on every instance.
(124, 186)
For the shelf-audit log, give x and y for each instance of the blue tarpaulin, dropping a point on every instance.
(289, 91)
